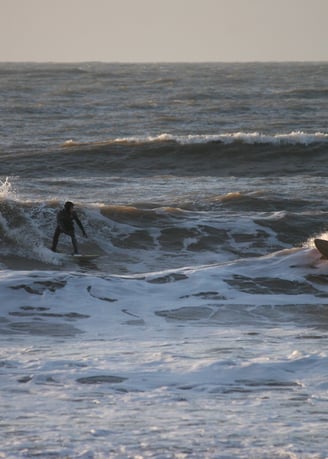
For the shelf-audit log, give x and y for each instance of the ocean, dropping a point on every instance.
(200, 329)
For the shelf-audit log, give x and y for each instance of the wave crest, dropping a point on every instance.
(250, 138)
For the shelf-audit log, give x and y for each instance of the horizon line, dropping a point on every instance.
(269, 61)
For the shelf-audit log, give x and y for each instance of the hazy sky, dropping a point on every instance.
(163, 30)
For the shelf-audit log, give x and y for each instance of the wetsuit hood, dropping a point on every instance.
(68, 205)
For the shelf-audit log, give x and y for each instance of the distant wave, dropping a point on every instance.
(310, 93)
(235, 154)
(224, 155)
(292, 138)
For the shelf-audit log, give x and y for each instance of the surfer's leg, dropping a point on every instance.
(74, 242)
(55, 239)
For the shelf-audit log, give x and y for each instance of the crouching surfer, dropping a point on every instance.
(65, 224)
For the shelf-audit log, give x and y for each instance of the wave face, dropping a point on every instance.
(243, 155)
(201, 189)
(158, 234)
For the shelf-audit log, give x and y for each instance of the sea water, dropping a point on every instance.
(201, 327)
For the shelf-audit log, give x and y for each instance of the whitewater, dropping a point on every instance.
(200, 328)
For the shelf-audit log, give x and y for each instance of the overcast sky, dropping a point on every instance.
(163, 30)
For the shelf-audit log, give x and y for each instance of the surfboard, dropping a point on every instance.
(322, 246)
(85, 256)
(78, 257)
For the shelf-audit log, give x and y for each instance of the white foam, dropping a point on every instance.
(184, 340)
(293, 138)
(6, 189)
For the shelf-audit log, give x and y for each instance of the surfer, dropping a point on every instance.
(65, 224)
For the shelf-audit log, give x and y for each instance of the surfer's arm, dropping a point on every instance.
(78, 221)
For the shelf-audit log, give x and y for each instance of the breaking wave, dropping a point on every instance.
(239, 154)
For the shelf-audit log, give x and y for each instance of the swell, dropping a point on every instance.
(238, 156)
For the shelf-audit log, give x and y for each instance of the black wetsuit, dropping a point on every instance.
(65, 224)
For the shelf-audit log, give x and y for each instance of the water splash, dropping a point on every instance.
(6, 189)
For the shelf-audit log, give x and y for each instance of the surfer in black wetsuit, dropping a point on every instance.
(65, 224)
